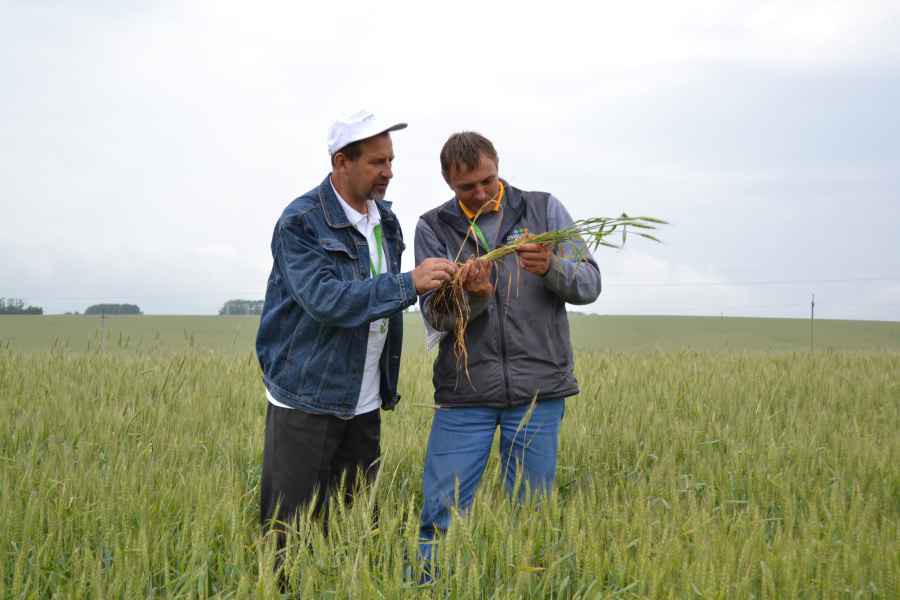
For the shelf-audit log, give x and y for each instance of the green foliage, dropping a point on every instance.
(135, 474)
(16, 306)
(242, 307)
(112, 309)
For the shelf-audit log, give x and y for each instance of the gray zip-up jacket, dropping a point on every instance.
(518, 338)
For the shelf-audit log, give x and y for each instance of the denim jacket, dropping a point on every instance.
(320, 298)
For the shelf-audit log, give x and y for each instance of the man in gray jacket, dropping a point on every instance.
(517, 335)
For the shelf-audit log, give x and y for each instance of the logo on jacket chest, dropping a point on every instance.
(515, 235)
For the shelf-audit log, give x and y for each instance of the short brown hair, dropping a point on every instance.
(464, 149)
(352, 151)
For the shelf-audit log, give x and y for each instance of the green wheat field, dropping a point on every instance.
(704, 458)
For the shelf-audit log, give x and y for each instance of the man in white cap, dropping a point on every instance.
(331, 330)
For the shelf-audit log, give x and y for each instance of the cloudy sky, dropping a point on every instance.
(147, 148)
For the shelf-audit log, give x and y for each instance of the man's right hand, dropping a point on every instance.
(432, 273)
(476, 277)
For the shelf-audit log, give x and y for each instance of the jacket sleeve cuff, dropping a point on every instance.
(555, 275)
(407, 289)
(574, 282)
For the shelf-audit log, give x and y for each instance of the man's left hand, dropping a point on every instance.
(534, 258)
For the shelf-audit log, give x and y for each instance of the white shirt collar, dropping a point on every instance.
(354, 216)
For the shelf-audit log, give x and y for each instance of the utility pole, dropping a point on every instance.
(812, 321)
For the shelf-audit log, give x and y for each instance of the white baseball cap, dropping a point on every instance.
(358, 126)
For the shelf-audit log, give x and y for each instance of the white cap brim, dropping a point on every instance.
(359, 126)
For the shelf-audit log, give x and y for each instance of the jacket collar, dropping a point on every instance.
(334, 213)
(513, 209)
(512, 213)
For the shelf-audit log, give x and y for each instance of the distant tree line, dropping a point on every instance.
(16, 306)
(242, 307)
(113, 309)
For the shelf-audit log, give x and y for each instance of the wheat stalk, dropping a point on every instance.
(594, 233)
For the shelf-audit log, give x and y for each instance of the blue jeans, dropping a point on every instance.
(458, 450)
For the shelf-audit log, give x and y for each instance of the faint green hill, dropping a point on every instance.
(589, 332)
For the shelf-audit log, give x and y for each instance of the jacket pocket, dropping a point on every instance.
(343, 257)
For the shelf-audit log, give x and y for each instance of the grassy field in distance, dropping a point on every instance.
(589, 332)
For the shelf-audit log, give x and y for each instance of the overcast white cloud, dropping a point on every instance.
(147, 149)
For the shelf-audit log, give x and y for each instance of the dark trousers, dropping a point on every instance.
(306, 455)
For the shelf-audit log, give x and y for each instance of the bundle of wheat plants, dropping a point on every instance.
(582, 237)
